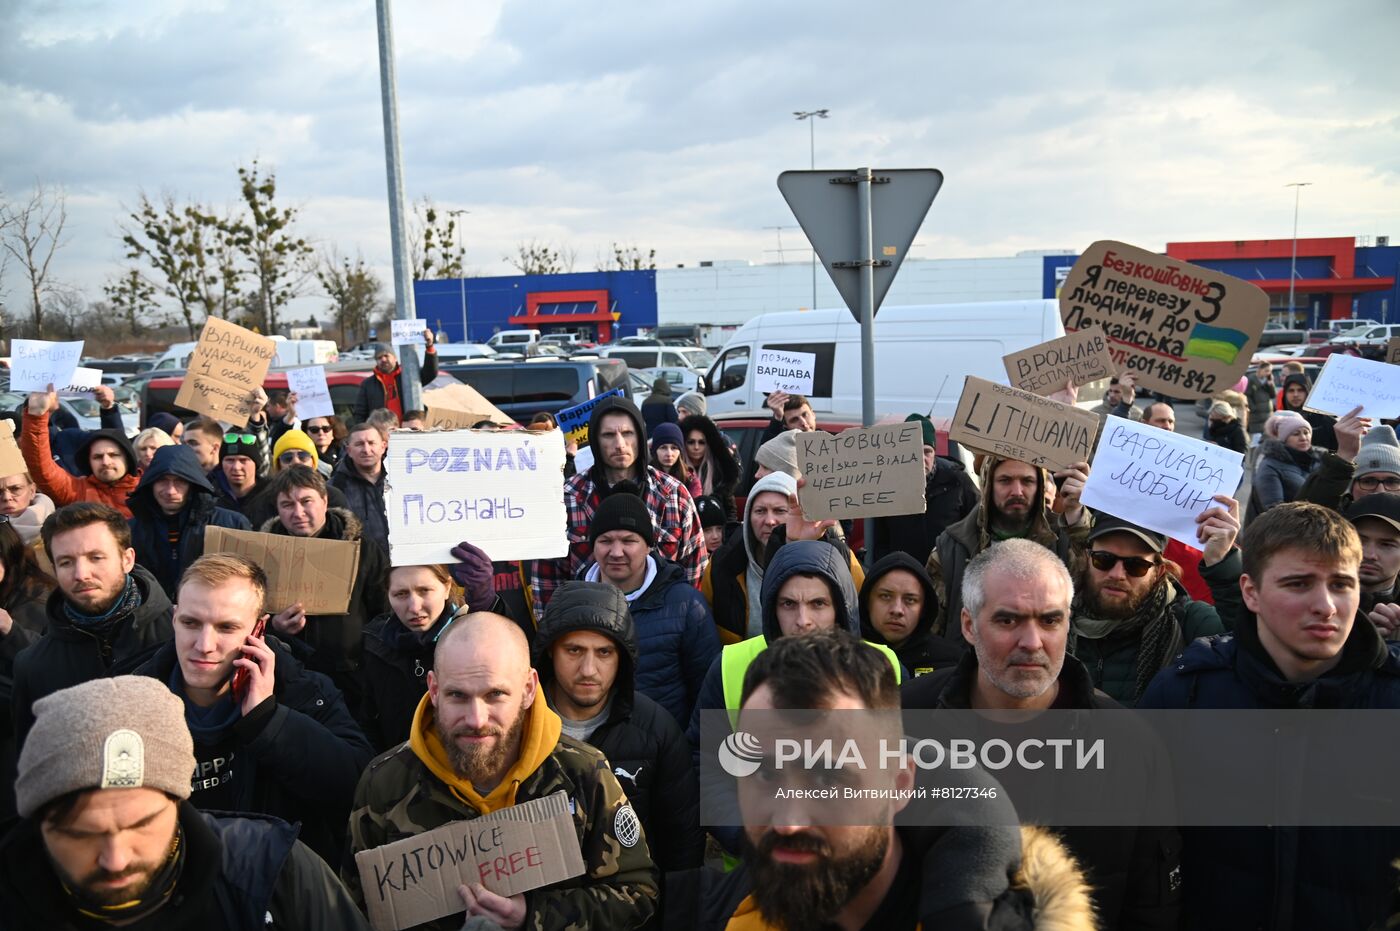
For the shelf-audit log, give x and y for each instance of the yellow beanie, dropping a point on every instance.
(294, 439)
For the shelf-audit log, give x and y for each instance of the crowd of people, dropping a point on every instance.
(180, 753)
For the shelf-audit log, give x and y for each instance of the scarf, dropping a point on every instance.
(1160, 634)
(104, 626)
(390, 384)
(1303, 460)
(156, 894)
(207, 725)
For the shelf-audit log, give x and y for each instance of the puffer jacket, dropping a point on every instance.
(1324, 426)
(150, 526)
(64, 488)
(725, 581)
(949, 496)
(676, 638)
(363, 498)
(725, 482)
(1278, 478)
(395, 669)
(643, 744)
(921, 651)
(959, 543)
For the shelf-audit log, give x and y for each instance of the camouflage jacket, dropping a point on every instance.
(398, 797)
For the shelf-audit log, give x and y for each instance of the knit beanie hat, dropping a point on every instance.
(930, 434)
(164, 421)
(296, 439)
(238, 447)
(127, 732)
(622, 510)
(1284, 424)
(1380, 452)
(692, 402)
(711, 512)
(1223, 410)
(668, 434)
(780, 453)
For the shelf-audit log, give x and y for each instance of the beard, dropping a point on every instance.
(800, 897)
(87, 887)
(1120, 609)
(481, 764)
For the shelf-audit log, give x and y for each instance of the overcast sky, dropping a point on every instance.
(666, 124)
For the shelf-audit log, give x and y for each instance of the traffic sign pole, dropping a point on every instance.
(867, 321)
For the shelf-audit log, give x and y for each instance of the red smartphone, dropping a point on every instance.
(240, 674)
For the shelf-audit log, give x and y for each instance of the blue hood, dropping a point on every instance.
(179, 461)
(809, 557)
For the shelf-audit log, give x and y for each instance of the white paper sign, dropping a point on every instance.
(1347, 382)
(313, 396)
(1157, 479)
(502, 491)
(37, 363)
(789, 372)
(409, 332)
(81, 384)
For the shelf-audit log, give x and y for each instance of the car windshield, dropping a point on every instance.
(84, 407)
(697, 358)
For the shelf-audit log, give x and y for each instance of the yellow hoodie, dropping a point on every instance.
(538, 739)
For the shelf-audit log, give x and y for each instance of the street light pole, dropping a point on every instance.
(456, 216)
(1293, 263)
(811, 116)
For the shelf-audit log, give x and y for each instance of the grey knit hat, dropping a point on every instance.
(780, 453)
(127, 732)
(692, 402)
(1380, 452)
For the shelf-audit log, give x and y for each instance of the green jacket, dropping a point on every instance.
(399, 797)
(1112, 661)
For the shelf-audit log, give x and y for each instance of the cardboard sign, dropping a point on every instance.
(574, 420)
(1079, 357)
(37, 363)
(1392, 351)
(872, 472)
(459, 407)
(1016, 424)
(11, 459)
(313, 394)
(1347, 382)
(82, 383)
(1181, 329)
(408, 332)
(789, 372)
(502, 491)
(413, 881)
(228, 363)
(1158, 479)
(318, 573)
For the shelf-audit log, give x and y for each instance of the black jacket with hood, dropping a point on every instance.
(1324, 426)
(296, 756)
(950, 495)
(643, 743)
(370, 396)
(363, 498)
(725, 483)
(150, 526)
(67, 655)
(921, 651)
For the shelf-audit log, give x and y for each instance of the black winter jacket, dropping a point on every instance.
(240, 873)
(950, 495)
(150, 525)
(66, 656)
(363, 499)
(725, 483)
(296, 756)
(261, 506)
(921, 652)
(370, 396)
(644, 745)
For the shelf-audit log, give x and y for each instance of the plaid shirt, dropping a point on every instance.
(679, 536)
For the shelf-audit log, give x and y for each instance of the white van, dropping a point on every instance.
(513, 339)
(921, 354)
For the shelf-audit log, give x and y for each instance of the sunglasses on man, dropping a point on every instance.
(294, 457)
(1135, 566)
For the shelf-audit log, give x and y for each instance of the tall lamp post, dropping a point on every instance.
(456, 216)
(811, 116)
(1297, 187)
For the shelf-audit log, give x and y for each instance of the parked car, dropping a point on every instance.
(568, 341)
(83, 410)
(523, 389)
(652, 357)
(681, 380)
(1370, 341)
(342, 378)
(457, 351)
(515, 339)
(1279, 337)
(1351, 323)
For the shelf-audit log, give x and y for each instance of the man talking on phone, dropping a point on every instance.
(270, 737)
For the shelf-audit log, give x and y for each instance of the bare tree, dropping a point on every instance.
(353, 288)
(540, 258)
(627, 259)
(31, 232)
(165, 236)
(281, 262)
(432, 246)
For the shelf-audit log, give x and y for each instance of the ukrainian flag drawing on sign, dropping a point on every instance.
(1215, 342)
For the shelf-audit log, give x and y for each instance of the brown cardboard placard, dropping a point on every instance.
(11, 459)
(459, 407)
(516, 849)
(317, 573)
(228, 363)
(1080, 357)
(871, 472)
(1392, 351)
(1181, 329)
(1016, 424)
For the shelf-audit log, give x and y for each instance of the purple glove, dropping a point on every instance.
(473, 571)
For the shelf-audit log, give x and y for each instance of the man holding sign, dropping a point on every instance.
(385, 387)
(484, 740)
(106, 462)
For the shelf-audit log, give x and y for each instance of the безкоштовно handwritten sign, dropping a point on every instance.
(228, 363)
(513, 850)
(871, 472)
(1159, 480)
(1016, 424)
(502, 491)
(1079, 357)
(1181, 329)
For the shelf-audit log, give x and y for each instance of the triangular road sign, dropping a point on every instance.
(825, 203)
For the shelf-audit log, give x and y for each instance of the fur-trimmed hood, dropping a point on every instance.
(340, 525)
(1055, 882)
